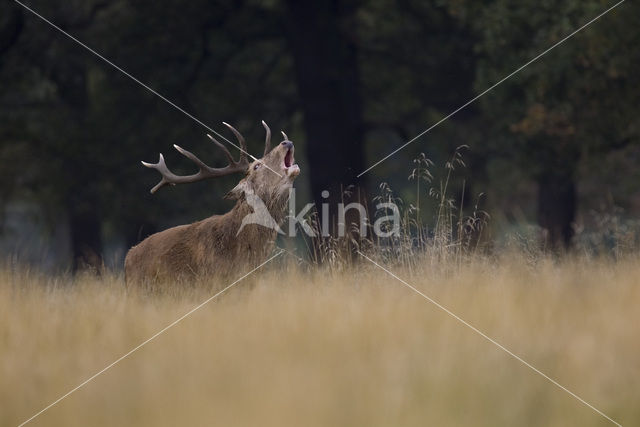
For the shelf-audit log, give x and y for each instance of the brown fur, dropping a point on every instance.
(210, 247)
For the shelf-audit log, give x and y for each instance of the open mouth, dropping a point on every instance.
(291, 170)
(288, 158)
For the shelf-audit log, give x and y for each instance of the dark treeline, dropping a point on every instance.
(348, 80)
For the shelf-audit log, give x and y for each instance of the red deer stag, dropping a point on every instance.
(220, 244)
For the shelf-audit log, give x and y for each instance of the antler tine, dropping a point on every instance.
(161, 167)
(223, 148)
(240, 138)
(285, 135)
(189, 155)
(267, 139)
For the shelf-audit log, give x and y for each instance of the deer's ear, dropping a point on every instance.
(237, 191)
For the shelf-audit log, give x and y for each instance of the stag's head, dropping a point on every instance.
(270, 177)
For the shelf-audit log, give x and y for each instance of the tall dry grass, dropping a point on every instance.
(447, 233)
(295, 346)
(334, 340)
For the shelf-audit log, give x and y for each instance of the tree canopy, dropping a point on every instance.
(349, 81)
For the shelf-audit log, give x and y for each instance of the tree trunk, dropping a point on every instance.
(83, 200)
(86, 236)
(557, 206)
(328, 81)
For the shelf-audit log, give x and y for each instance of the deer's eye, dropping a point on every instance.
(256, 166)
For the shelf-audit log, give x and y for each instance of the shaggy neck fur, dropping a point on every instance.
(254, 241)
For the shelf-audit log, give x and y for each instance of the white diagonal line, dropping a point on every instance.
(147, 87)
(136, 348)
(490, 88)
(491, 340)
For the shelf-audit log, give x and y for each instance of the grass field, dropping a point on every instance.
(356, 348)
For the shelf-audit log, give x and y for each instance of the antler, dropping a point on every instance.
(205, 171)
(267, 139)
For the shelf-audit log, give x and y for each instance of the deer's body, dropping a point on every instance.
(222, 244)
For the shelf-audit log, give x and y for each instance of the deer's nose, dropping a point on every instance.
(287, 144)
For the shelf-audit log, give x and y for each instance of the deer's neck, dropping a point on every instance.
(254, 234)
(276, 208)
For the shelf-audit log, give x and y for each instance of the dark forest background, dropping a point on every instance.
(556, 145)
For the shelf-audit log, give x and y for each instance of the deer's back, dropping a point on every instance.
(167, 254)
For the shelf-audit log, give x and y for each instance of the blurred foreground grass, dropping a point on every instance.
(318, 348)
